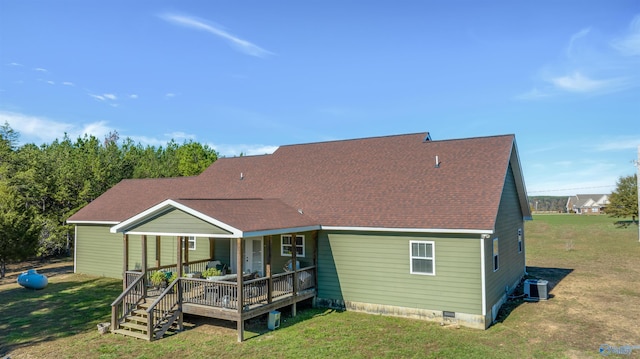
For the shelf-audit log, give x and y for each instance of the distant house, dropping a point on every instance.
(397, 225)
(588, 203)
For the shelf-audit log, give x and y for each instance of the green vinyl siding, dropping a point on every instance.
(375, 268)
(512, 262)
(98, 252)
(177, 221)
(278, 261)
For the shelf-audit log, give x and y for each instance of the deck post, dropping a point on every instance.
(268, 271)
(186, 251)
(144, 264)
(180, 240)
(294, 252)
(212, 249)
(125, 260)
(240, 291)
(158, 251)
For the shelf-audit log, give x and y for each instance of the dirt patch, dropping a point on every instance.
(49, 267)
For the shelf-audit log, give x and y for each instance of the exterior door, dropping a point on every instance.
(253, 255)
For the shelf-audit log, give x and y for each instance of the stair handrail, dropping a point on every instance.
(115, 321)
(152, 321)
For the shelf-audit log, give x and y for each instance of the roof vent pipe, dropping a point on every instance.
(241, 175)
(437, 162)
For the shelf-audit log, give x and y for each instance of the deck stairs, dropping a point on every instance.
(136, 324)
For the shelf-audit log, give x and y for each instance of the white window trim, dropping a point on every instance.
(293, 244)
(432, 258)
(520, 243)
(190, 240)
(495, 264)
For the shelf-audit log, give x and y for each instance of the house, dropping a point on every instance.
(587, 203)
(399, 225)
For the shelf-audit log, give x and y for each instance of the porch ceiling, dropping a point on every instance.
(238, 217)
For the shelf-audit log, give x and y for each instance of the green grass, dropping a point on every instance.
(594, 303)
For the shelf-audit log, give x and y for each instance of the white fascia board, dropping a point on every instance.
(269, 232)
(180, 234)
(411, 230)
(93, 222)
(163, 206)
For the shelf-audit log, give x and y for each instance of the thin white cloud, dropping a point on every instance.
(51, 82)
(67, 83)
(240, 44)
(230, 150)
(619, 144)
(180, 136)
(43, 130)
(110, 96)
(14, 64)
(169, 95)
(578, 82)
(40, 69)
(133, 96)
(98, 97)
(629, 45)
(574, 38)
(593, 64)
(104, 97)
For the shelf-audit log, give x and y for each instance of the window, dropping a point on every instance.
(192, 243)
(422, 257)
(496, 259)
(286, 245)
(519, 240)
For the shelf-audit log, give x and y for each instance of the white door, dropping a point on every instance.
(253, 256)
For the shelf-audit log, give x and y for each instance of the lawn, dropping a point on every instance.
(591, 263)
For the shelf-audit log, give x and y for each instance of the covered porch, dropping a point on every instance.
(260, 278)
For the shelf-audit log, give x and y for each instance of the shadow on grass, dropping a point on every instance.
(624, 224)
(60, 310)
(552, 275)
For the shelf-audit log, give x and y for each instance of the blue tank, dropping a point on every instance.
(31, 279)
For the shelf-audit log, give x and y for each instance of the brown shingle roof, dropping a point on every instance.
(382, 182)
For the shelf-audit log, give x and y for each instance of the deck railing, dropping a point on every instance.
(127, 301)
(162, 313)
(224, 294)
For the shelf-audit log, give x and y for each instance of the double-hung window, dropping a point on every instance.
(422, 257)
(286, 245)
(191, 243)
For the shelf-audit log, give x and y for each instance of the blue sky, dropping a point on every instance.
(247, 76)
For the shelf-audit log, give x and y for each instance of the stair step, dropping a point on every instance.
(131, 325)
(137, 319)
(140, 312)
(131, 334)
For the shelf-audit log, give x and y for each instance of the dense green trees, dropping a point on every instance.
(624, 200)
(41, 186)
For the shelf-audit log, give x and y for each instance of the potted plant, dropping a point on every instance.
(159, 279)
(212, 274)
(173, 277)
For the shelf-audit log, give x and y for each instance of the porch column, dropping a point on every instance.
(212, 249)
(268, 270)
(158, 251)
(125, 260)
(186, 251)
(180, 240)
(294, 252)
(144, 254)
(240, 291)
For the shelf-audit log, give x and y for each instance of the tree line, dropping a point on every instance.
(42, 186)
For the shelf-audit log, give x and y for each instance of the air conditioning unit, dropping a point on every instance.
(536, 289)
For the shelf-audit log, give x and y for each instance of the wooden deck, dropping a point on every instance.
(213, 299)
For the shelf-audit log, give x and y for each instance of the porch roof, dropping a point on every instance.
(238, 217)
